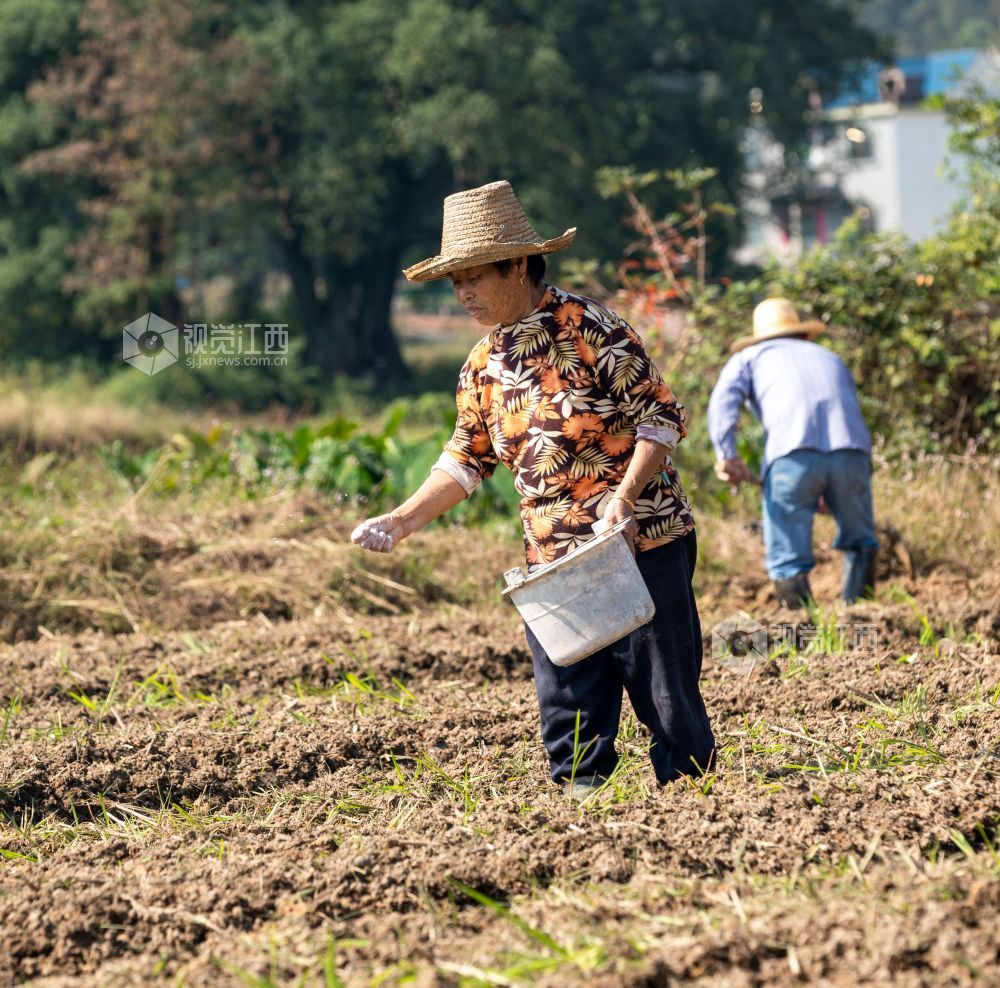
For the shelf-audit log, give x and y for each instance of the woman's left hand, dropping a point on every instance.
(618, 511)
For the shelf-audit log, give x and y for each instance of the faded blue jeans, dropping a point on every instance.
(792, 489)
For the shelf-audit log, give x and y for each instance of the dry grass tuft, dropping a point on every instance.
(123, 566)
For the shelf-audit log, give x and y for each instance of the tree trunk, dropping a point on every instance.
(299, 268)
(348, 329)
(365, 342)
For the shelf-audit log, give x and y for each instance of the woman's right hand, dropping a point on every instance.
(380, 534)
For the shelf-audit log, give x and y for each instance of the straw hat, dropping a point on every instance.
(776, 317)
(484, 225)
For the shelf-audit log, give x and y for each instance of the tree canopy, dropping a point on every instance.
(151, 150)
(919, 26)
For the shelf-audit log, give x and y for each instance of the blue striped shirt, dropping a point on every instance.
(802, 393)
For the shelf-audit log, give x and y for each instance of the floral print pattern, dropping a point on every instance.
(557, 398)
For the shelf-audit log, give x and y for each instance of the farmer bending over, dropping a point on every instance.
(816, 448)
(563, 394)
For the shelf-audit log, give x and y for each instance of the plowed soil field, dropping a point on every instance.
(265, 759)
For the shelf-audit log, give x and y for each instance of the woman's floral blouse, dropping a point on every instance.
(559, 398)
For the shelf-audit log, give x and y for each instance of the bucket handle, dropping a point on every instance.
(602, 531)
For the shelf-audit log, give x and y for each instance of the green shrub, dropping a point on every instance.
(917, 323)
(374, 470)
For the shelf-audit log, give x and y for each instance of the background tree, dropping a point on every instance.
(130, 107)
(204, 138)
(35, 214)
(919, 26)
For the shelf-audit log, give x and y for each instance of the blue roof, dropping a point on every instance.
(938, 69)
(942, 68)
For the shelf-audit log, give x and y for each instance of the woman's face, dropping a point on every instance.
(489, 297)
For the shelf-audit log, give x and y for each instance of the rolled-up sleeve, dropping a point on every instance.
(463, 475)
(632, 381)
(469, 457)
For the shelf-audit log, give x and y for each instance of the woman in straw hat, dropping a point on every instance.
(561, 392)
(817, 448)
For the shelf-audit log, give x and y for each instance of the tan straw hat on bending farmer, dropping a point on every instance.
(776, 317)
(481, 226)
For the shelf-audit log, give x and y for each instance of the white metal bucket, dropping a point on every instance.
(590, 598)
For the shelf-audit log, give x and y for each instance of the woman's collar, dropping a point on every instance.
(548, 297)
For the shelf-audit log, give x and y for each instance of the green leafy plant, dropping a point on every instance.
(375, 469)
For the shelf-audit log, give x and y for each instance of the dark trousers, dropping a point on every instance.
(659, 665)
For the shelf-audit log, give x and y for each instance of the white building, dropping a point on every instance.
(883, 152)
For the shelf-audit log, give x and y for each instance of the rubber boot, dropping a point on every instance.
(859, 572)
(793, 592)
